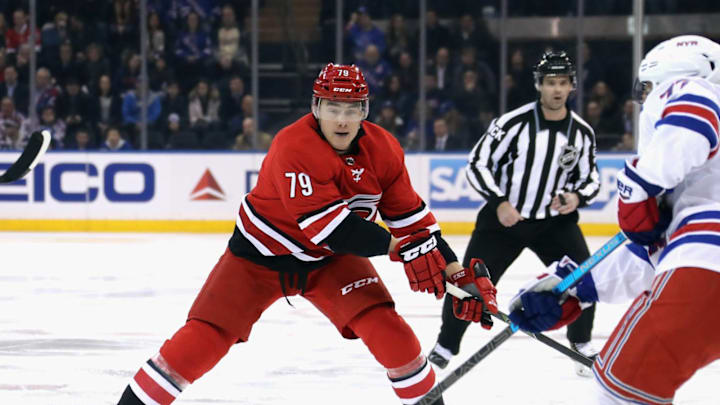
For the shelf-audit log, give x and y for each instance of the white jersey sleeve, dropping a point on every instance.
(624, 274)
(678, 132)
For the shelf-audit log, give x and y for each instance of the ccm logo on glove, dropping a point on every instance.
(418, 250)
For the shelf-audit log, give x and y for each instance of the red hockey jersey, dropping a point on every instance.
(305, 189)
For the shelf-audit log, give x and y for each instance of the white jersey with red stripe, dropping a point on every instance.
(305, 189)
(678, 145)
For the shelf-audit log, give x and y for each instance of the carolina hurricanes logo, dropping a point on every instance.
(207, 188)
(364, 205)
(357, 173)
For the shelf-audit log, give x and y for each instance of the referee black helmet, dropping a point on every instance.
(554, 64)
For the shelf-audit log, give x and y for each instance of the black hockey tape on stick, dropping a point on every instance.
(580, 358)
(36, 147)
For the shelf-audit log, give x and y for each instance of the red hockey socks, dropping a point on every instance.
(192, 351)
(396, 347)
(413, 386)
(196, 348)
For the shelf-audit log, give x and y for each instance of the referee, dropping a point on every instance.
(534, 166)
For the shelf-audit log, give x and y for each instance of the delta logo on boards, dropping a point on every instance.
(207, 189)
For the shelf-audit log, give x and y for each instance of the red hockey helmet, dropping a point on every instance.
(344, 83)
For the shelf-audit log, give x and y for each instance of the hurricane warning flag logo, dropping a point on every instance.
(357, 173)
(207, 188)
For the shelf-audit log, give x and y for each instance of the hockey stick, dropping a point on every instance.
(506, 333)
(457, 292)
(36, 147)
(572, 278)
(463, 369)
(575, 355)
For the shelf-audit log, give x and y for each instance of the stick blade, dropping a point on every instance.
(36, 147)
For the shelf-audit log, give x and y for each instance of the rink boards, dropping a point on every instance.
(200, 192)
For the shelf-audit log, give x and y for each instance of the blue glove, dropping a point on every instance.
(535, 308)
(542, 311)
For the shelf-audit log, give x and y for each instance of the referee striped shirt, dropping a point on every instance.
(527, 160)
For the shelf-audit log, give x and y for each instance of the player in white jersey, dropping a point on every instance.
(669, 195)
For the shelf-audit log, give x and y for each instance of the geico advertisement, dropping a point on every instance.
(130, 186)
(210, 186)
(451, 195)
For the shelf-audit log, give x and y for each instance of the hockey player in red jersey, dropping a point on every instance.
(307, 229)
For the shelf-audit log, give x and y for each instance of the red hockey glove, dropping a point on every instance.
(475, 281)
(638, 214)
(424, 264)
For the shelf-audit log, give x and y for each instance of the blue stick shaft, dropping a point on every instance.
(588, 264)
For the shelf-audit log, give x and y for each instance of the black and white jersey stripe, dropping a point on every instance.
(421, 214)
(521, 160)
(294, 247)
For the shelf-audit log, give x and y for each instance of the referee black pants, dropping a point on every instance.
(550, 239)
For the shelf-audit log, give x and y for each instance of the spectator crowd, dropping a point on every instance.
(88, 87)
(462, 80)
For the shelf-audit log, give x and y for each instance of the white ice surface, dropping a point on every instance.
(79, 314)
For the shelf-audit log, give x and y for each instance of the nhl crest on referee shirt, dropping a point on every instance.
(569, 156)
